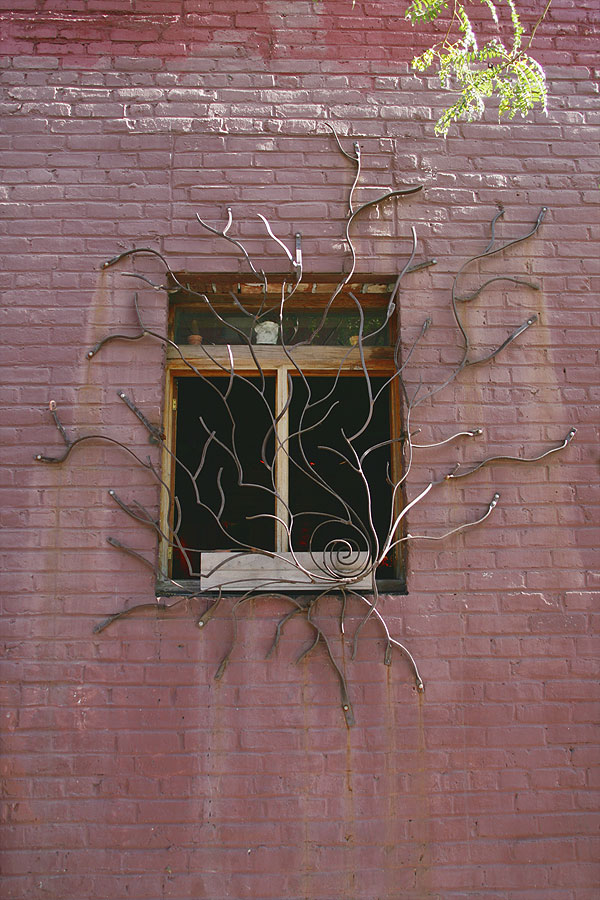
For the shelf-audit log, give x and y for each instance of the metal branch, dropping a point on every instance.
(155, 287)
(473, 296)
(115, 543)
(518, 459)
(278, 631)
(52, 407)
(145, 516)
(261, 275)
(345, 541)
(90, 437)
(390, 642)
(516, 333)
(440, 537)
(124, 613)
(338, 142)
(154, 431)
(474, 432)
(276, 239)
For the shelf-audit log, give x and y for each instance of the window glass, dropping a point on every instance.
(330, 499)
(242, 421)
(193, 324)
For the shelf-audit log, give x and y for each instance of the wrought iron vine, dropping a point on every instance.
(340, 564)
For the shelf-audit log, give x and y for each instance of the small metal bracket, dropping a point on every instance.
(298, 260)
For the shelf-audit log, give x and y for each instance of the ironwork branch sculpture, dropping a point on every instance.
(342, 564)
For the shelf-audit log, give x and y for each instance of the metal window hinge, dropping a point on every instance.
(174, 405)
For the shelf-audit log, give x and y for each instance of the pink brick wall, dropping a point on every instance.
(129, 772)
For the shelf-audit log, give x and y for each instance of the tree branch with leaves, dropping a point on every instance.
(480, 71)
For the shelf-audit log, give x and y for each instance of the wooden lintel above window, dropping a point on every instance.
(313, 290)
(315, 359)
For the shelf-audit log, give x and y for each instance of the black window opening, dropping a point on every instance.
(240, 421)
(330, 502)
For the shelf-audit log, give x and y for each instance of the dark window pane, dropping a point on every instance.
(330, 499)
(240, 423)
(331, 502)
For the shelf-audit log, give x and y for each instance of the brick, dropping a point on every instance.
(582, 600)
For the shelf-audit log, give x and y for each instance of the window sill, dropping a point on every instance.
(191, 587)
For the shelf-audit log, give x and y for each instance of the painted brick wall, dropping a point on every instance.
(129, 772)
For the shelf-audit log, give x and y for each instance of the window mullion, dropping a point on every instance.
(282, 468)
(165, 550)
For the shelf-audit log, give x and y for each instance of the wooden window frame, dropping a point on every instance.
(318, 360)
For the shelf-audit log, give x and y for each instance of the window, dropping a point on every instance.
(282, 454)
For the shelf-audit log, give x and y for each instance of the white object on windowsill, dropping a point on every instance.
(267, 332)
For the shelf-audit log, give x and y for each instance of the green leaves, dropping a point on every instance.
(507, 73)
(425, 10)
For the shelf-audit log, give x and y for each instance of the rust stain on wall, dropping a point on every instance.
(423, 863)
